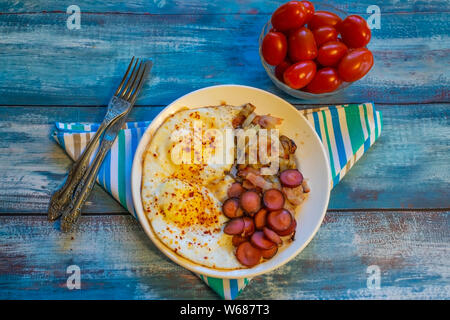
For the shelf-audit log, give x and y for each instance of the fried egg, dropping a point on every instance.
(183, 199)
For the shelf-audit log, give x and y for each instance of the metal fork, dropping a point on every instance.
(122, 100)
(84, 188)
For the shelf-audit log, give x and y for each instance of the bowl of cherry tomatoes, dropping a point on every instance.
(314, 50)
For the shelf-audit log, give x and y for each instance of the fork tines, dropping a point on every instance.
(134, 82)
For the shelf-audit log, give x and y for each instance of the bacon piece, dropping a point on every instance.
(288, 144)
(259, 181)
(244, 172)
(238, 120)
(269, 122)
(294, 195)
(243, 114)
(248, 185)
(247, 109)
(305, 186)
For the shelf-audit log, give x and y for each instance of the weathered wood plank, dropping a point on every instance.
(118, 261)
(45, 63)
(407, 168)
(32, 165)
(214, 6)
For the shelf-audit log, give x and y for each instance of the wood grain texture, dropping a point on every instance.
(214, 6)
(118, 261)
(407, 168)
(391, 209)
(45, 63)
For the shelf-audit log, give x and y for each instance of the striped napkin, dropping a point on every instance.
(347, 131)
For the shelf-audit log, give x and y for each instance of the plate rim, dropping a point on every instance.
(136, 184)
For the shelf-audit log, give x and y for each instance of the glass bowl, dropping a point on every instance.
(298, 93)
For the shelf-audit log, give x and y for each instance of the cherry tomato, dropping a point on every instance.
(290, 15)
(281, 68)
(325, 34)
(274, 48)
(323, 18)
(309, 9)
(326, 80)
(355, 64)
(355, 31)
(331, 53)
(300, 74)
(301, 45)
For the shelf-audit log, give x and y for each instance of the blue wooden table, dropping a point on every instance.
(390, 212)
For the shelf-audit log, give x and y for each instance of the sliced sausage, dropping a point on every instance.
(250, 201)
(237, 240)
(260, 241)
(272, 236)
(273, 199)
(234, 226)
(291, 178)
(235, 190)
(269, 253)
(279, 220)
(289, 230)
(249, 227)
(248, 255)
(260, 219)
(231, 209)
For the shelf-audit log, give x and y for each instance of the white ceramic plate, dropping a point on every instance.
(312, 161)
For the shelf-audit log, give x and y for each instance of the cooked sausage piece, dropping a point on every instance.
(260, 241)
(289, 230)
(260, 219)
(291, 178)
(249, 227)
(247, 254)
(238, 120)
(269, 253)
(237, 240)
(288, 145)
(235, 190)
(272, 236)
(273, 199)
(250, 201)
(279, 220)
(294, 195)
(231, 208)
(234, 226)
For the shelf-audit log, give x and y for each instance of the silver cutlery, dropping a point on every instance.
(64, 200)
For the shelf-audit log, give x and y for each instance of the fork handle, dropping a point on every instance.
(84, 188)
(61, 198)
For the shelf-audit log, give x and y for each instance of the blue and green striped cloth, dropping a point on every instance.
(346, 131)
